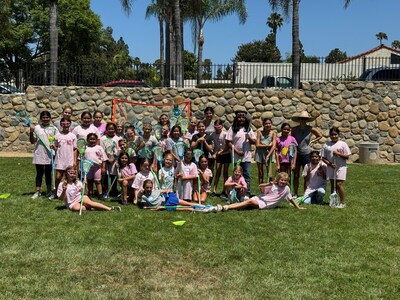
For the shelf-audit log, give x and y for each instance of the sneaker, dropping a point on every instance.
(225, 208)
(124, 202)
(341, 205)
(246, 197)
(104, 197)
(36, 195)
(116, 208)
(219, 207)
(51, 196)
(212, 209)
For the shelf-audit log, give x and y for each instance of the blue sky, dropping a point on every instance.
(324, 25)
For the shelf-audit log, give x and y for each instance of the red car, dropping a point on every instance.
(125, 83)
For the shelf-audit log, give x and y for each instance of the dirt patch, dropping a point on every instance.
(15, 154)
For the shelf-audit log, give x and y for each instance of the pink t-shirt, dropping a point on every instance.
(282, 146)
(140, 178)
(188, 170)
(317, 177)
(95, 154)
(66, 144)
(101, 128)
(240, 181)
(239, 141)
(205, 186)
(41, 153)
(272, 195)
(82, 133)
(72, 194)
(128, 171)
(341, 163)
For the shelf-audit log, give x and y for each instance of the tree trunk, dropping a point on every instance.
(53, 42)
(296, 45)
(162, 67)
(200, 42)
(178, 43)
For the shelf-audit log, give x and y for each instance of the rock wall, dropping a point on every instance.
(363, 111)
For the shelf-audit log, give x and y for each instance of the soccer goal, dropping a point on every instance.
(131, 111)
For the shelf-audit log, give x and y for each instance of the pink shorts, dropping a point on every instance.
(94, 173)
(340, 173)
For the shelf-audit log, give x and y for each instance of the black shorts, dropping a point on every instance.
(303, 159)
(224, 158)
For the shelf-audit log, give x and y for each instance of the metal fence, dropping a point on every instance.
(230, 75)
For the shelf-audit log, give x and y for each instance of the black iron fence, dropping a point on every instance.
(238, 74)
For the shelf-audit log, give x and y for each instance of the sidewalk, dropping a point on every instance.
(15, 154)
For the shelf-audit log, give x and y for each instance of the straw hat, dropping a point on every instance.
(302, 115)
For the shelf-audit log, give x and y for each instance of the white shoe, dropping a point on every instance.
(116, 208)
(341, 205)
(51, 196)
(36, 195)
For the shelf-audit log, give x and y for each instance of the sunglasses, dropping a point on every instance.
(71, 172)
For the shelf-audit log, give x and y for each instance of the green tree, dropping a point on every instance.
(381, 36)
(206, 69)
(292, 6)
(189, 63)
(258, 51)
(200, 11)
(335, 56)
(274, 21)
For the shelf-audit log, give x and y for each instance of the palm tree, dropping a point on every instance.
(274, 21)
(177, 25)
(200, 11)
(285, 6)
(381, 36)
(158, 8)
(53, 42)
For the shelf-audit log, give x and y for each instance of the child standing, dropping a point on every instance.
(70, 190)
(166, 173)
(95, 153)
(241, 136)
(285, 163)
(127, 171)
(221, 156)
(273, 194)
(265, 146)
(140, 178)
(86, 127)
(175, 137)
(335, 154)
(314, 174)
(109, 142)
(186, 172)
(66, 155)
(42, 135)
(238, 183)
(205, 177)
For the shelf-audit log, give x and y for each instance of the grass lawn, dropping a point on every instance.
(48, 252)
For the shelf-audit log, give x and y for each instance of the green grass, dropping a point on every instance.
(48, 252)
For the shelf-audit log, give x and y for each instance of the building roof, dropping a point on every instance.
(369, 52)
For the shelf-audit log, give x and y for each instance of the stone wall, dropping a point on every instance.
(363, 111)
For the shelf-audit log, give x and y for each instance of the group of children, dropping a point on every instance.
(172, 169)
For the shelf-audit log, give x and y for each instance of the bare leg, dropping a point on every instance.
(260, 173)
(59, 174)
(340, 189)
(248, 203)
(218, 170)
(124, 190)
(90, 186)
(296, 179)
(89, 204)
(99, 187)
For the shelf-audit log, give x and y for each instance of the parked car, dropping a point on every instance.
(381, 74)
(276, 82)
(125, 83)
(9, 89)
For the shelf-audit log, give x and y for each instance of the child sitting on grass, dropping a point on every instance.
(167, 200)
(273, 194)
(314, 174)
(70, 190)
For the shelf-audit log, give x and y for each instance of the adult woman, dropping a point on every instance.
(163, 120)
(67, 113)
(241, 136)
(208, 120)
(303, 134)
